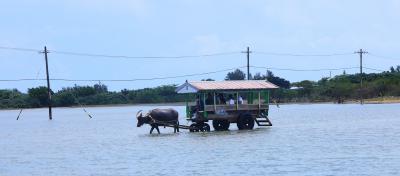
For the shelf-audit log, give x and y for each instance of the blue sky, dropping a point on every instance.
(191, 27)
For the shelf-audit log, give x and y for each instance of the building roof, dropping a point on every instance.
(239, 85)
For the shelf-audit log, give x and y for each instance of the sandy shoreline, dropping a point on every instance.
(384, 100)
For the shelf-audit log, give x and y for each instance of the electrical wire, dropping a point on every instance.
(382, 57)
(302, 55)
(142, 57)
(121, 80)
(20, 49)
(188, 56)
(174, 57)
(305, 70)
(184, 56)
(187, 75)
(374, 69)
(119, 56)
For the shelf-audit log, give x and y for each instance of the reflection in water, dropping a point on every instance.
(305, 140)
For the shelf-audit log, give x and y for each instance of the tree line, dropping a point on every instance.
(97, 94)
(337, 89)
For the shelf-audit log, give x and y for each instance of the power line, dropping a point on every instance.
(22, 79)
(185, 56)
(119, 56)
(302, 55)
(120, 80)
(20, 49)
(374, 69)
(305, 70)
(180, 76)
(142, 57)
(382, 57)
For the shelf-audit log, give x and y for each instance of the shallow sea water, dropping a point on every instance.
(318, 139)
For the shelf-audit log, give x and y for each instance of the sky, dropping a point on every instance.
(192, 27)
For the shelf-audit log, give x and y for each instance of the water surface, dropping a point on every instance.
(322, 139)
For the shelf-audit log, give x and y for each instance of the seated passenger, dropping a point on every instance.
(199, 103)
(210, 99)
(231, 100)
(240, 100)
(221, 98)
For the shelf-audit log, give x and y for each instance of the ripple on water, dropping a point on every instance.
(305, 140)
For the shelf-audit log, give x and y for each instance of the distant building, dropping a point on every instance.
(296, 88)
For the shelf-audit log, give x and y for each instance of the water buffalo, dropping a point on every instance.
(159, 117)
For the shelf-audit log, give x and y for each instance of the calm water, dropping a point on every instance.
(305, 140)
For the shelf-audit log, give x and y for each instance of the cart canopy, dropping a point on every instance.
(239, 85)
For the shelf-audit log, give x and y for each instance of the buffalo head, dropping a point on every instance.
(142, 119)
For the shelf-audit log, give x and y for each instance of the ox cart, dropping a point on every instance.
(243, 102)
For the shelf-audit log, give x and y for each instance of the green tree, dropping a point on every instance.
(338, 88)
(236, 75)
(306, 87)
(64, 98)
(38, 96)
(282, 83)
(258, 76)
(82, 91)
(12, 99)
(392, 70)
(100, 88)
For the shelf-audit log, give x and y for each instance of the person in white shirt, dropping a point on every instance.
(231, 100)
(240, 100)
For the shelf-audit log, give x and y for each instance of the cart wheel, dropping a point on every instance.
(205, 127)
(245, 122)
(221, 125)
(193, 128)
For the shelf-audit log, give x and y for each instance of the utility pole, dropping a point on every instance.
(248, 62)
(48, 83)
(361, 52)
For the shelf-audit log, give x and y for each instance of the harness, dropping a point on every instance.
(153, 121)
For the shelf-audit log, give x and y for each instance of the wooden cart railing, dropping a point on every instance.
(250, 107)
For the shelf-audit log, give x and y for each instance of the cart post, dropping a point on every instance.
(259, 101)
(187, 107)
(204, 105)
(215, 102)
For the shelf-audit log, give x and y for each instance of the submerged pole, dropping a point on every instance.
(361, 78)
(48, 83)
